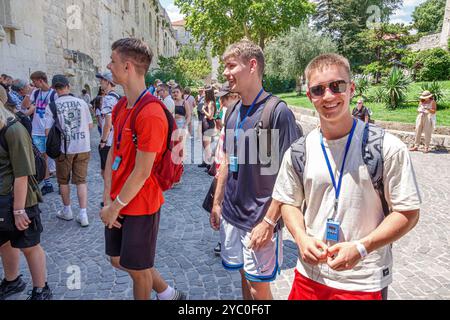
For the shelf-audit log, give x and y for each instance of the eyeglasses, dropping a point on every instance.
(339, 86)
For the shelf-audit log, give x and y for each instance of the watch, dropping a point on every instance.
(102, 141)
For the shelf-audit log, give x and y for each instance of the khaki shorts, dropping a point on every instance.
(75, 165)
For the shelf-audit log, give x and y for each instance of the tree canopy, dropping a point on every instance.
(429, 16)
(220, 23)
(344, 20)
(288, 55)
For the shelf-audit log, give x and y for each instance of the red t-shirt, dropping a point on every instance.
(152, 128)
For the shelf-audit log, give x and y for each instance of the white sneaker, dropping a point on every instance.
(82, 219)
(61, 214)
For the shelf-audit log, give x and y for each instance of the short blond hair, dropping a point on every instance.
(246, 50)
(323, 61)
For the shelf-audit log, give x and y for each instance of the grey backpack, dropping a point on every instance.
(372, 153)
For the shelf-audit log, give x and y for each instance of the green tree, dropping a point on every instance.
(223, 22)
(429, 16)
(188, 68)
(388, 44)
(288, 55)
(433, 65)
(344, 20)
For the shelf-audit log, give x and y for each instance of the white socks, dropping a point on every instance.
(83, 211)
(167, 294)
(67, 209)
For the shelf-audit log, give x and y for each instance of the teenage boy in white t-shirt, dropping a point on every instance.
(356, 261)
(40, 100)
(72, 165)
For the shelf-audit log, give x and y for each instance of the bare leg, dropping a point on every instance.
(260, 290)
(142, 283)
(159, 285)
(82, 195)
(10, 260)
(36, 263)
(246, 295)
(65, 194)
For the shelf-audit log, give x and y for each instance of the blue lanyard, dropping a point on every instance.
(119, 138)
(239, 125)
(347, 147)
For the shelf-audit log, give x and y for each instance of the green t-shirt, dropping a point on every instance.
(18, 162)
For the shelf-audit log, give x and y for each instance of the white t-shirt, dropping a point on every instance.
(170, 104)
(74, 117)
(108, 103)
(42, 101)
(360, 210)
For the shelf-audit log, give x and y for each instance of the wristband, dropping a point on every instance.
(120, 202)
(273, 224)
(361, 249)
(19, 212)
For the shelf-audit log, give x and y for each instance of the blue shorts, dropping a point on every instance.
(39, 142)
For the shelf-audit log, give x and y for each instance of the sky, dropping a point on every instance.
(401, 15)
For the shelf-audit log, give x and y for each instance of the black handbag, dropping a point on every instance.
(6, 213)
(209, 199)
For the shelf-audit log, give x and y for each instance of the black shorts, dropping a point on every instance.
(103, 156)
(135, 242)
(27, 238)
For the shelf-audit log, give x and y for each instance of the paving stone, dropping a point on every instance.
(421, 258)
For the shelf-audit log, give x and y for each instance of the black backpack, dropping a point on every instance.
(372, 153)
(55, 136)
(39, 160)
(265, 122)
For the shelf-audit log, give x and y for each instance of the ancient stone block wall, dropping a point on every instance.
(74, 37)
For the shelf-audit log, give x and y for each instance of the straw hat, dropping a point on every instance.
(426, 95)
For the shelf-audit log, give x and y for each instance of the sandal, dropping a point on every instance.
(413, 148)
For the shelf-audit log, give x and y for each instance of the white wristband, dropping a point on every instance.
(120, 202)
(361, 249)
(273, 224)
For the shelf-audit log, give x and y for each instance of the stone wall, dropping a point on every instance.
(50, 38)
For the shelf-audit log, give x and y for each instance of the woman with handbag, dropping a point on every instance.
(20, 222)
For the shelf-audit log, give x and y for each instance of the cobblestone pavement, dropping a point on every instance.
(185, 255)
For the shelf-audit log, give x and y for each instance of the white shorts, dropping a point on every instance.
(259, 266)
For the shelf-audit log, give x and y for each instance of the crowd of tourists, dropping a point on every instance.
(344, 198)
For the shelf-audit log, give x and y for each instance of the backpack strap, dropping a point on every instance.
(265, 122)
(52, 96)
(36, 94)
(52, 106)
(54, 111)
(372, 152)
(149, 98)
(3, 142)
(298, 158)
(230, 111)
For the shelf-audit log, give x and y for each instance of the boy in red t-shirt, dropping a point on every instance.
(132, 195)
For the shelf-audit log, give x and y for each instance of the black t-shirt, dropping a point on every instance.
(360, 114)
(248, 193)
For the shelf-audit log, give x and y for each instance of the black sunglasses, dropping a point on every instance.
(339, 86)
